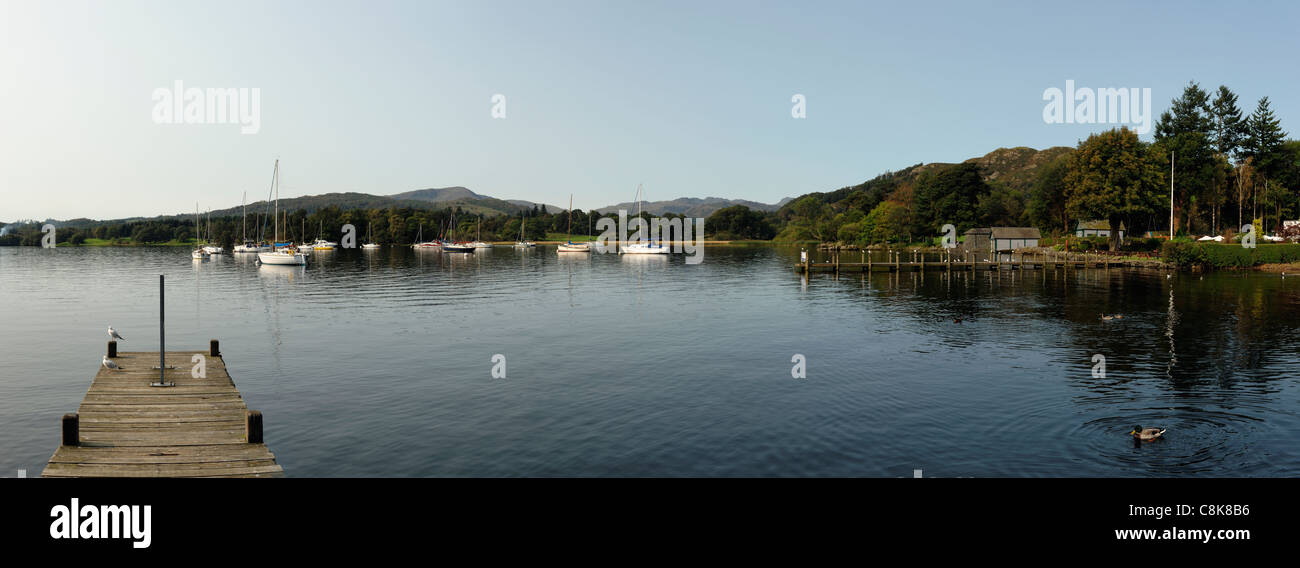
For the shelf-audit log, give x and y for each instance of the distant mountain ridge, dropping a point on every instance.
(692, 206)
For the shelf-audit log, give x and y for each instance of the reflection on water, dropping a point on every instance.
(377, 362)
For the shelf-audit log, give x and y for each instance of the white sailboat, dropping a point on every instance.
(211, 249)
(322, 244)
(572, 246)
(478, 237)
(199, 253)
(248, 245)
(284, 255)
(370, 242)
(649, 247)
(451, 245)
(523, 242)
(421, 244)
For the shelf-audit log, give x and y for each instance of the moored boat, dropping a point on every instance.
(282, 254)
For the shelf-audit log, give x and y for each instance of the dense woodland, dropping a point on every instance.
(391, 225)
(1229, 169)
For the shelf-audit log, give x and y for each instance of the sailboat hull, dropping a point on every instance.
(282, 258)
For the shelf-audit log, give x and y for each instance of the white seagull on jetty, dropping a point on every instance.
(109, 364)
(112, 333)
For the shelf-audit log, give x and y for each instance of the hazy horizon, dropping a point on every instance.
(690, 99)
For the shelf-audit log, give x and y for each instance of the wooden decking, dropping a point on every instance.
(197, 428)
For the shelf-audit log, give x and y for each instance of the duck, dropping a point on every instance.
(1105, 317)
(1147, 434)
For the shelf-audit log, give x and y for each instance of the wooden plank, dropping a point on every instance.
(248, 467)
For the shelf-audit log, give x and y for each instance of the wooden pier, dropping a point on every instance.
(197, 427)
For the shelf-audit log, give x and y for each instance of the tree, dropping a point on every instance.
(1264, 139)
(1046, 200)
(1186, 130)
(739, 222)
(1229, 127)
(950, 195)
(887, 223)
(1113, 175)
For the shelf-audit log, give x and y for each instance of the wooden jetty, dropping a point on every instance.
(197, 427)
(896, 263)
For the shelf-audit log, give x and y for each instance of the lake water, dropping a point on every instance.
(379, 363)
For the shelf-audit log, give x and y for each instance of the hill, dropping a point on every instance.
(691, 206)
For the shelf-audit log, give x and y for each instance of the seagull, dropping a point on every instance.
(109, 364)
(112, 333)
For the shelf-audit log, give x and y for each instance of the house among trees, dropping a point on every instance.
(1000, 239)
(1097, 228)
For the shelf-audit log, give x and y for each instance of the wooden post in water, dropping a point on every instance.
(71, 430)
(253, 426)
(112, 349)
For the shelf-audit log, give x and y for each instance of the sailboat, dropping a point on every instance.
(284, 255)
(322, 244)
(248, 244)
(302, 247)
(523, 242)
(370, 242)
(478, 236)
(572, 246)
(211, 249)
(199, 253)
(422, 244)
(649, 247)
(449, 245)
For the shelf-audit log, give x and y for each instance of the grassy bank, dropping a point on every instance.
(1225, 255)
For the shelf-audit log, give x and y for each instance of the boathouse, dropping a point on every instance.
(1001, 239)
(1097, 228)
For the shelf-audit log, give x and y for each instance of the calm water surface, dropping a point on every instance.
(379, 363)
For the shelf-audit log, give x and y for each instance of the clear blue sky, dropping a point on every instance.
(689, 98)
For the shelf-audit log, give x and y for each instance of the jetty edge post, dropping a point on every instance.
(112, 348)
(253, 426)
(71, 429)
(214, 348)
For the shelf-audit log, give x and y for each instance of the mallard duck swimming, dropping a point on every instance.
(1145, 434)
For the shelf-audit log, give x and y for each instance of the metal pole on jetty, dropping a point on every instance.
(162, 340)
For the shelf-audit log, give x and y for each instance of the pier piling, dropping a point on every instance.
(71, 429)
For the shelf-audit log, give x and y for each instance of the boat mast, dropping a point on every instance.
(275, 185)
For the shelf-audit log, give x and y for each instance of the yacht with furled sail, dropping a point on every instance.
(281, 253)
(370, 242)
(572, 246)
(523, 242)
(248, 245)
(478, 237)
(322, 244)
(421, 244)
(649, 246)
(449, 245)
(199, 253)
(210, 248)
